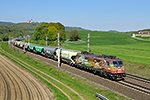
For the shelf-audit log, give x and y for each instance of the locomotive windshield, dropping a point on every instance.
(120, 63)
(117, 63)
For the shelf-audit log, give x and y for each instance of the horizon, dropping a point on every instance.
(123, 16)
(73, 26)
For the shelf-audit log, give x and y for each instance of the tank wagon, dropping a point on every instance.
(50, 52)
(67, 55)
(39, 49)
(104, 65)
(32, 47)
(26, 45)
(17, 43)
(14, 41)
(21, 44)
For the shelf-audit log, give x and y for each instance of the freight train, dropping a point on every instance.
(103, 65)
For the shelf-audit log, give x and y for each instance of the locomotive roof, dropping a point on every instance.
(88, 55)
(99, 57)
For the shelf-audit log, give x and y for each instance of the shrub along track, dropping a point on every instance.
(127, 87)
(31, 69)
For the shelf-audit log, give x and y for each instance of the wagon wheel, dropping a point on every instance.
(101, 73)
(113, 77)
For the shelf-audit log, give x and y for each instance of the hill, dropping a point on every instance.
(14, 28)
(28, 27)
(74, 28)
(113, 31)
(6, 23)
(118, 44)
(134, 53)
(136, 32)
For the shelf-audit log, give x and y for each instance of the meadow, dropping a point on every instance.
(135, 53)
(88, 91)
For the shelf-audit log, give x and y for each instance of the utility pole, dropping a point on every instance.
(58, 51)
(24, 45)
(46, 40)
(88, 48)
(28, 38)
(9, 40)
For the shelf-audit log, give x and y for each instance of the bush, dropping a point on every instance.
(74, 35)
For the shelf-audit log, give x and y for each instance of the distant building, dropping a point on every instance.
(29, 21)
(144, 32)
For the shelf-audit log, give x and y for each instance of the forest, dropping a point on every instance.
(16, 30)
(37, 31)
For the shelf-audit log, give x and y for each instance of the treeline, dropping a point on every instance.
(137, 32)
(37, 31)
(6, 23)
(50, 30)
(7, 31)
(17, 30)
(75, 28)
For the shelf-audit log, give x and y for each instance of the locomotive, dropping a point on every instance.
(104, 65)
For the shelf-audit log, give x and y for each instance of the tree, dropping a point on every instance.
(50, 30)
(62, 34)
(5, 37)
(38, 33)
(74, 35)
(52, 33)
(19, 34)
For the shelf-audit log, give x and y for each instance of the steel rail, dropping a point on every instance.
(20, 62)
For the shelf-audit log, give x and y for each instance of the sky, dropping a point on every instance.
(101, 15)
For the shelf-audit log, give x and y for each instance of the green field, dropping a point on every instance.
(85, 89)
(135, 53)
(146, 38)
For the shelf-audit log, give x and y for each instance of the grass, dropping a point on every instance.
(86, 90)
(132, 51)
(146, 38)
(58, 94)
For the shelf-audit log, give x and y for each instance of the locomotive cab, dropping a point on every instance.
(117, 69)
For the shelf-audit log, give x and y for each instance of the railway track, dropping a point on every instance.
(137, 83)
(29, 68)
(139, 87)
(24, 89)
(15, 85)
(135, 86)
(141, 79)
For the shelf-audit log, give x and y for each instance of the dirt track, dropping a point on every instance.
(18, 84)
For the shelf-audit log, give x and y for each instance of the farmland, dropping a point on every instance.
(87, 90)
(135, 53)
